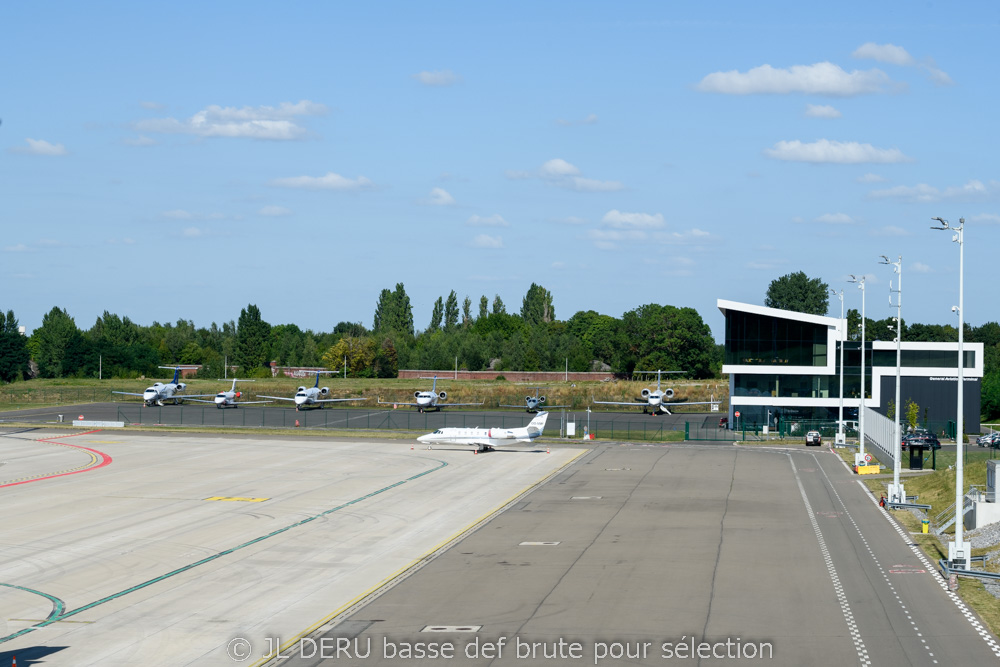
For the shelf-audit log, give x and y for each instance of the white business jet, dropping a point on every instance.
(428, 400)
(227, 399)
(534, 403)
(160, 392)
(311, 395)
(486, 439)
(655, 400)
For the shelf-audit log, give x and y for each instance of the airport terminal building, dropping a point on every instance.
(786, 365)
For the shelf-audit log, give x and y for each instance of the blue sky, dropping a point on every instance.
(184, 160)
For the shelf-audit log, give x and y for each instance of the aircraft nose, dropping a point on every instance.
(220, 400)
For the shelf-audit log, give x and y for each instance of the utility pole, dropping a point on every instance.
(896, 492)
(959, 550)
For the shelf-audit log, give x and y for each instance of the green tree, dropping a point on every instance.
(386, 360)
(252, 340)
(436, 316)
(655, 337)
(451, 312)
(536, 307)
(799, 293)
(13, 349)
(912, 413)
(393, 312)
(360, 353)
(54, 337)
(484, 307)
(466, 312)
(498, 307)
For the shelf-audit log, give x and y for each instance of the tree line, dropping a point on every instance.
(478, 337)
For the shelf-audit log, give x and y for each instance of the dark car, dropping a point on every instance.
(924, 439)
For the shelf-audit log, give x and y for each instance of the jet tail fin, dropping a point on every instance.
(539, 422)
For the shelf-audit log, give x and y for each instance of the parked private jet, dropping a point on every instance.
(227, 399)
(311, 395)
(160, 392)
(428, 400)
(656, 400)
(534, 403)
(486, 439)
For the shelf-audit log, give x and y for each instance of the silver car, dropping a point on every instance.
(813, 438)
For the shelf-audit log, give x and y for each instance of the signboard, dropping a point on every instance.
(868, 458)
(737, 413)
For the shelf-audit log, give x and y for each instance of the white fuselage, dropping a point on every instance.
(160, 392)
(306, 396)
(487, 438)
(225, 399)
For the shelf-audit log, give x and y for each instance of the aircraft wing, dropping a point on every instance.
(337, 400)
(691, 403)
(126, 393)
(452, 405)
(193, 396)
(198, 400)
(277, 398)
(412, 405)
(635, 403)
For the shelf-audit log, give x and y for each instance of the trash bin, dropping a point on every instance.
(925, 526)
(916, 457)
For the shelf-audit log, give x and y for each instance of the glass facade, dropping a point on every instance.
(759, 340)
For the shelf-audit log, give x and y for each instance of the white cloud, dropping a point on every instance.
(569, 220)
(40, 147)
(923, 193)
(919, 268)
(890, 230)
(988, 218)
(836, 219)
(443, 77)
(819, 79)
(178, 214)
(871, 178)
(590, 119)
(765, 265)
(20, 247)
(619, 220)
(884, 53)
(155, 106)
(837, 152)
(897, 55)
(440, 197)
(559, 266)
(330, 181)
(562, 174)
(487, 241)
(489, 221)
(192, 232)
(821, 111)
(264, 122)
(274, 212)
(141, 140)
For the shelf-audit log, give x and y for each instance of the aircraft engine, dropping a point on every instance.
(541, 399)
(324, 391)
(645, 393)
(668, 393)
(416, 394)
(239, 394)
(301, 389)
(527, 399)
(181, 386)
(443, 395)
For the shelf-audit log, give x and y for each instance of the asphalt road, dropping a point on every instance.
(635, 552)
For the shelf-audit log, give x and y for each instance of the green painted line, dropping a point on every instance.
(58, 614)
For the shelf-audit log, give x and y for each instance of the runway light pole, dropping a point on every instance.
(861, 407)
(959, 550)
(896, 492)
(841, 440)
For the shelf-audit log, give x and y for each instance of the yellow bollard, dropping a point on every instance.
(925, 526)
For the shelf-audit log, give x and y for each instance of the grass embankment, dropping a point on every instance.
(578, 395)
(937, 489)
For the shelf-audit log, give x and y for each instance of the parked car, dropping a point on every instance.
(989, 440)
(814, 438)
(924, 439)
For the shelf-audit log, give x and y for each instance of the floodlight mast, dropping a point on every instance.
(843, 336)
(861, 408)
(896, 492)
(958, 551)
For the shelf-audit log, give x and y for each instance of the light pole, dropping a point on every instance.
(861, 406)
(841, 440)
(959, 550)
(896, 492)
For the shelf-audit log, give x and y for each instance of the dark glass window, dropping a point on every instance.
(758, 340)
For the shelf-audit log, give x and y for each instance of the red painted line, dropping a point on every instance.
(105, 460)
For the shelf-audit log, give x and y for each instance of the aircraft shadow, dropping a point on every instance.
(33, 655)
